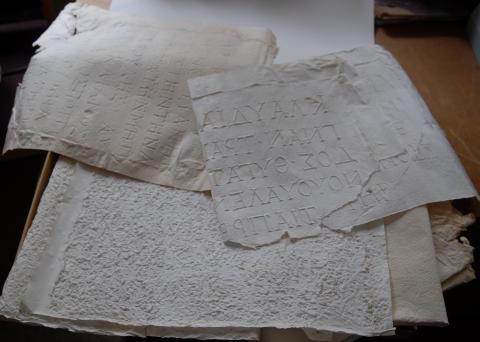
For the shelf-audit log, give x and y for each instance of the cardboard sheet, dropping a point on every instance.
(147, 256)
(331, 142)
(304, 28)
(110, 90)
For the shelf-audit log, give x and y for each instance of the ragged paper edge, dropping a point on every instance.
(408, 84)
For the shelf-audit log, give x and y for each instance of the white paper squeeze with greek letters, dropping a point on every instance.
(110, 90)
(332, 142)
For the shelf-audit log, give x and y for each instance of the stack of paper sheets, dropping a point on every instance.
(319, 172)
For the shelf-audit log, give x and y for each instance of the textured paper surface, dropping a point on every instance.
(27, 261)
(304, 28)
(110, 90)
(58, 202)
(331, 142)
(160, 262)
(417, 296)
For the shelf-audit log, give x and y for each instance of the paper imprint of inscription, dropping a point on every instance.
(331, 142)
(111, 90)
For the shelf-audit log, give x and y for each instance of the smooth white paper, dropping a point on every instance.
(304, 28)
(145, 255)
(331, 142)
(110, 90)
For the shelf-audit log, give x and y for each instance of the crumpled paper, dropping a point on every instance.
(327, 143)
(454, 254)
(110, 90)
(131, 253)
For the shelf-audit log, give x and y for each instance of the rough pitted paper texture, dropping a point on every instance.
(333, 142)
(110, 90)
(454, 254)
(27, 261)
(56, 200)
(417, 296)
(152, 256)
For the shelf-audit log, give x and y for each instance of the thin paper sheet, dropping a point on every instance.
(160, 262)
(332, 142)
(110, 90)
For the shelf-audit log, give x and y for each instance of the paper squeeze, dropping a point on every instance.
(331, 142)
(125, 261)
(110, 90)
